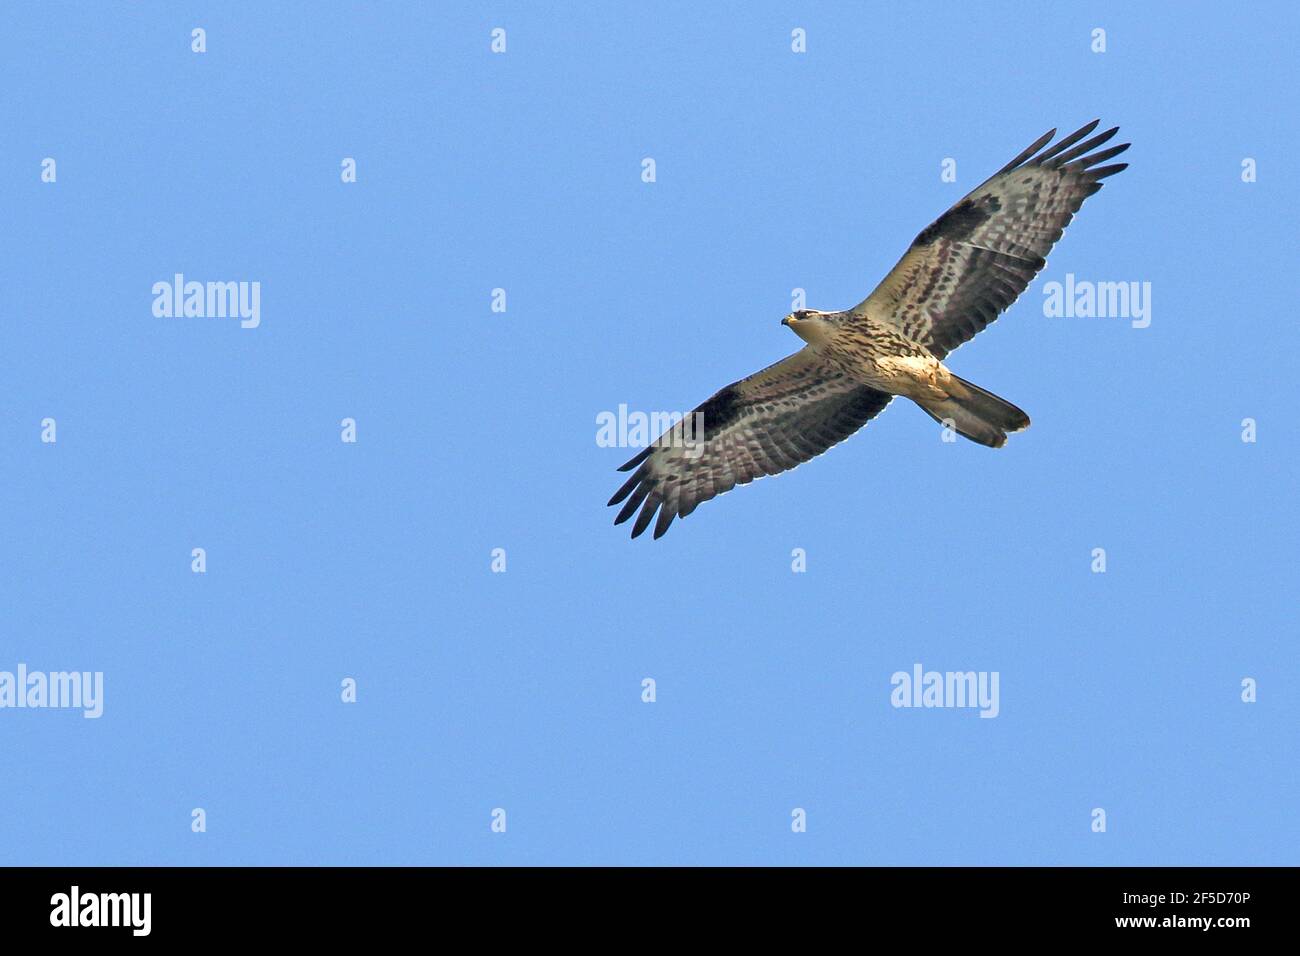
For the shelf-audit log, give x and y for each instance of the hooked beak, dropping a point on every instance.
(786, 320)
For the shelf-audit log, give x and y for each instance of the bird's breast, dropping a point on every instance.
(885, 360)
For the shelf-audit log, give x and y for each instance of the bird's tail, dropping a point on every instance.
(976, 414)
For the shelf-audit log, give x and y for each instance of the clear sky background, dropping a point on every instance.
(477, 430)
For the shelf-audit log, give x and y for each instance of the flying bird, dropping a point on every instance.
(958, 275)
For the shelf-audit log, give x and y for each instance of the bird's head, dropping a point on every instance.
(810, 325)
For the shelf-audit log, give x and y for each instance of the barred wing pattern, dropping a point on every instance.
(972, 262)
(762, 425)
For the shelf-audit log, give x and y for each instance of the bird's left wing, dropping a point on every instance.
(972, 262)
(762, 425)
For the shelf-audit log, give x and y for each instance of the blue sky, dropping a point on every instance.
(476, 430)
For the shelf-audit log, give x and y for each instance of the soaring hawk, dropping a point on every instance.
(964, 269)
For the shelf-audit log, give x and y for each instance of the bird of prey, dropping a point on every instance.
(958, 275)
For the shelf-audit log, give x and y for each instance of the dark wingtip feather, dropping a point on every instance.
(1028, 151)
(624, 491)
(640, 457)
(632, 503)
(643, 519)
(1092, 159)
(1108, 171)
(1067, 142)
(1083, 147)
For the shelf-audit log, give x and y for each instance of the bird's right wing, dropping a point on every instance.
(972, 262)
(762, 425)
